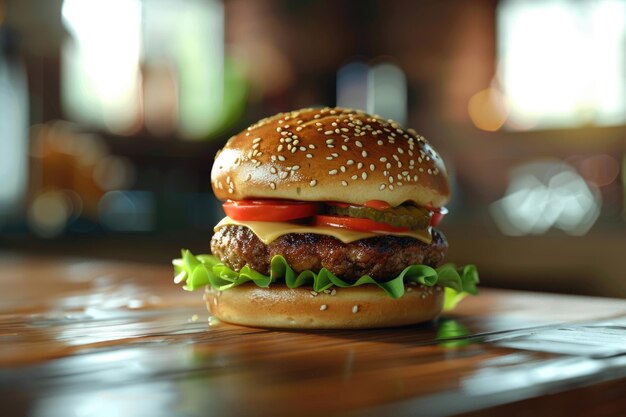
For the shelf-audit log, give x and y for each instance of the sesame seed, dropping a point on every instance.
(364, 154)
(372, 167)
(313, 293)
(342, 168)
(323, 307)
(302, 148)
(359, 165)
(382, 187)
(355, 309)
(337, 131)
(344, 183)
(256, 140)
(400, 151)
(273, 170)
(280, 148)
(309, 156)
(344, 147)
(364, 175)
(272, 186)
(388, 165)
(332, 172)
(278, 129)
(354, 177)
(329, 132)
(299, 128)
(334, 154)
(311, 146)
(230, 190)
(350, 162)
(358, 143)
(283, 175)
(383, 159)
(391, 187)
(330, 141)
(313, 183)
(318, 124)
(330, 158)
(295, 167)
(391, 179)
(281, 158)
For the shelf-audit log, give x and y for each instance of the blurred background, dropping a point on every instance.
(111, 112)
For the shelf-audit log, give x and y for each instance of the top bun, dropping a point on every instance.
(330, 154)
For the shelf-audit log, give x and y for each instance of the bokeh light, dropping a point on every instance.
(545, 195)
(487, 109)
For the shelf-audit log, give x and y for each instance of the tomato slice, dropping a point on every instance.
(437, 215)
(358, 224)
(269, 210)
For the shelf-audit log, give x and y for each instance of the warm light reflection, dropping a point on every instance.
(487, 109)
(101, 62)
(130, 62)
(543, 195)
(48, 214)
(561, 63)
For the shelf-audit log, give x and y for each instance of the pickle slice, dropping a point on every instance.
(411, 217)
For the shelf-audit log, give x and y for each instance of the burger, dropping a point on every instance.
(331, 219)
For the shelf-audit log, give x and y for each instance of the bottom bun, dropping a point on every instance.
(365, 306)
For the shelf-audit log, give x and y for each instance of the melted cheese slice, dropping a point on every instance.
(270, 231)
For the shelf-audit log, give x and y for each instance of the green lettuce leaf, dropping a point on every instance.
(197, 271)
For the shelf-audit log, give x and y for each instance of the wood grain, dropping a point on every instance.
(81, 337)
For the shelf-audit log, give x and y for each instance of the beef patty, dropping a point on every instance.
(381, 257)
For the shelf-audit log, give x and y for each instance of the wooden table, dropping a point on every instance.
(93, 338)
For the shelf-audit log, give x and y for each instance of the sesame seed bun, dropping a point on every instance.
(330, 155)
(361, 307)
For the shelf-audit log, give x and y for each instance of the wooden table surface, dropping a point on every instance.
(93, 338)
